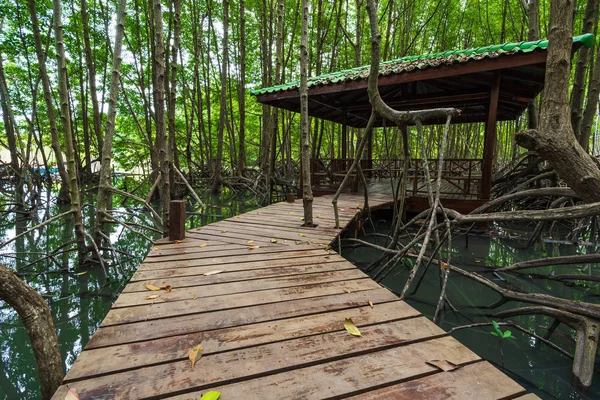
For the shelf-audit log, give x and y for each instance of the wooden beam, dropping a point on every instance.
(344, 133)
(177, 220)
(489, 145)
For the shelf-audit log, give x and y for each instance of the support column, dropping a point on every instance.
(344, 136)
(489, 143)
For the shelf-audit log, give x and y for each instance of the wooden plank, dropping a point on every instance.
(253, 362)
(227, 288)
(195, 247)
(191, 306)
(471, 382)
(329, 232)
(179, 270)
(271, 322)
(149, 330)
(171, 349)
(227, 276)
(203, 253)
(347, 376)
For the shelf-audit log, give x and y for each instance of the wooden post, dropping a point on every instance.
(344, 136)
(489, 143)
(176, 220)
(289, 197)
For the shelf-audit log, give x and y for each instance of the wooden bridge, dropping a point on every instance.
(267, 300)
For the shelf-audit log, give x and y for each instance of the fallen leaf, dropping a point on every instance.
(444, 365)
(155, 249)
(149, 286)
(340, 209)
(351, 328)
(203, 245)
(178, 241)
(444, 265)
(217, 271)
(195, 298)
(253, 247)
(71, 394)
(273, 240)
(223, 231)
(250, 241)
(347, 291)
(303, 235)
(301, 218)
(153, 296)
(212, 395)
(292, 212)
(371, 303)
(196, 354)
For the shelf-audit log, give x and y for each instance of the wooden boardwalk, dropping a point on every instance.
(268, 301)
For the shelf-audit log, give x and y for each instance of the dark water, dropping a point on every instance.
(535, 366)
(79, 297)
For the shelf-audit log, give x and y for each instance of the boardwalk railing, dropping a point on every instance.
(460, 176)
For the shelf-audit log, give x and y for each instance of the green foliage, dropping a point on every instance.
(499, 333)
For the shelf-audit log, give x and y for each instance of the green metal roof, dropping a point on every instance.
(411, 63)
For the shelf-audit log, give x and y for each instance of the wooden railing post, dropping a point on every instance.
(177, 220)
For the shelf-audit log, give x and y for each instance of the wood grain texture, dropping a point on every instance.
(271, 321)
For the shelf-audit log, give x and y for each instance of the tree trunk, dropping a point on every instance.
(218, 178)
(158, 73)
(104, 194)
(307, 196)
(172, 100)
(555, 141)
(591, 104)
(65, 116)
(8, 126)
(533, 15)
(581, 68)
(37, 319)
(242, 91)
(89, 61)
(63, 195)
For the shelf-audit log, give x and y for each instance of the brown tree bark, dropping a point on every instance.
(554, 140)
(307, 196)
(158, 72)
(581, 68)
(63, 195)
(36, 317)
(533, 16)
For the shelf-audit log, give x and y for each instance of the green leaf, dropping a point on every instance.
(212, 395)
(506, 334)
(497, 328)
(493, 333)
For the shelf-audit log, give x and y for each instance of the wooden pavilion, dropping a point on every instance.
(488, 84)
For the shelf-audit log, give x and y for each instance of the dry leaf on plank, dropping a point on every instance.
(196, 354)
(351, 328)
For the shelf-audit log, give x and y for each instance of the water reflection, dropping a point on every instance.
(79, 297)
(534, 365)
